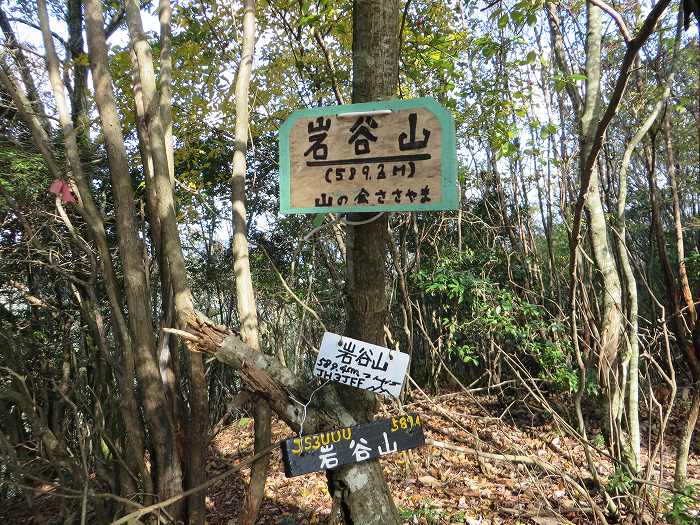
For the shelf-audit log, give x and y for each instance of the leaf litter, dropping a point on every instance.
(433, 485)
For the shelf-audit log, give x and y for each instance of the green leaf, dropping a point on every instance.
(308, 20)
(503, 21)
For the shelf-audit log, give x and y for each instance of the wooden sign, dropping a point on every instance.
(379, 156)
(362, 365)
(329, 450)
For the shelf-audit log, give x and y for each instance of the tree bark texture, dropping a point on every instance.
(79, 99)
(671, 167)
(166, 68)
(167, 462)
(128, 404)
(611, 294)
(627, 272)
(245, 294)
(361, 488)
(681, 471)
(171, 248)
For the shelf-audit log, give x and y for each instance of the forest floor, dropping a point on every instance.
(435, 485)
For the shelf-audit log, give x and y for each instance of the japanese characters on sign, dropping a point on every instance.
(362, 365)
(329, 450)
(392, 155)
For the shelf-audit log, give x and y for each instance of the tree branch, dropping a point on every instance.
(38, 28)
(266, 377)
(633, 48)
(616, 17)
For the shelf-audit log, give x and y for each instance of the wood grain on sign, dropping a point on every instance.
(362, 365)
(373, 161)
(330, 450)
(391, 155)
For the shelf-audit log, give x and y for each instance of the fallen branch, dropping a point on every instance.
(266, 377)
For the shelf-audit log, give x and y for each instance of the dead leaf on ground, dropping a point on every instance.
(429, 481)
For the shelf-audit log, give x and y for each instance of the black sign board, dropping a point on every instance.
(329, 450)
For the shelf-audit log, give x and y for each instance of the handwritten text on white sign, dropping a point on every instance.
(362, 365)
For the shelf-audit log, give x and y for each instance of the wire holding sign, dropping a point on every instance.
(362, 365)
(395, 155)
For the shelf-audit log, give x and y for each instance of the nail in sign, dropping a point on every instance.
(362, 365)
(330, 450)
(378, 156)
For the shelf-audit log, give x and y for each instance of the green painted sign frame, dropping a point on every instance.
(448, 157)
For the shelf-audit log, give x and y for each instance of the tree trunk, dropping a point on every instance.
(18, 54)
(166, 69)
(361, 488)
(29, 117)
(630, 282)
(245, 294)
(87, 208)
(171, 250)
(681, 472)
(676, 315)
(79, 100)
(167, 462)
(611, 318)
(128, 405)
(671, 168)
(681, 469)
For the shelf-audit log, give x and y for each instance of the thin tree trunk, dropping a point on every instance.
(245, 294)
(129, 407)
(672, 292)
(172, 253)
(671, 168)
(166, 68)
(681, 472)
(611, 319)
(628, 274)
(79, 100)
(169, 472)
(32, 93)
(681, 469)
(29, 116)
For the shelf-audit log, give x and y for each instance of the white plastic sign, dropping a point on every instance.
(362, 365)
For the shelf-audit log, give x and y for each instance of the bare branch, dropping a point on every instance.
(38, 28)
(616, 17)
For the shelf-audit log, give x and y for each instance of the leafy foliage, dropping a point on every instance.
(475, 309)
